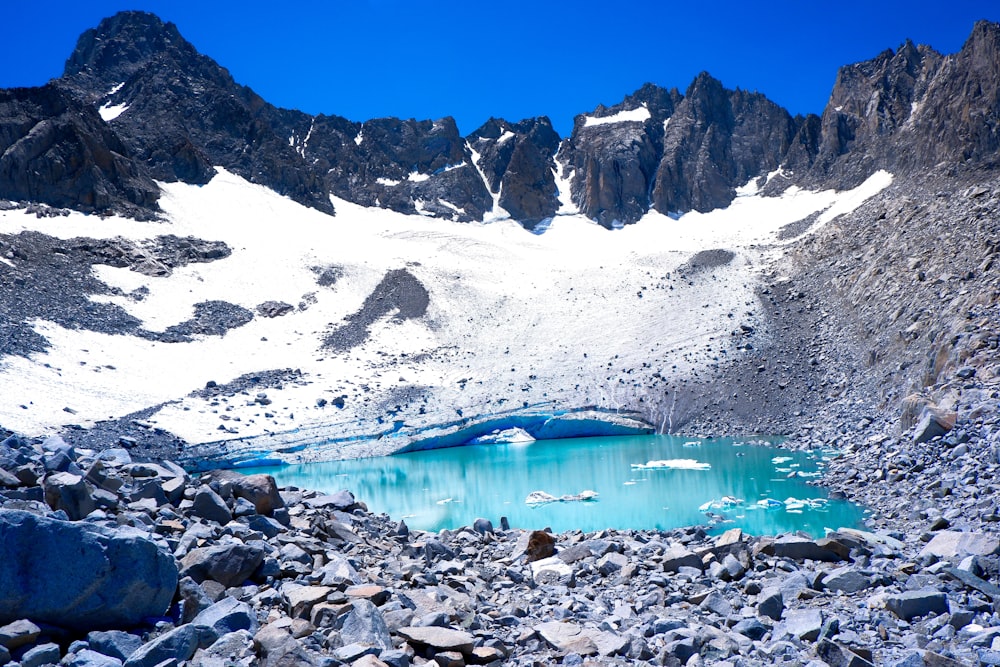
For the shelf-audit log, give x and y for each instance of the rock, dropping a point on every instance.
(302, 598)
(89, 658)
(441, 639)
(364, 625)
(847, 580)
(114, 643)
(19, 633)
(274, 308)
(799, 548)
(952, 544)
(483, 526)
(540, 545)
(69, 493)
(838, 655)
(117, 578)
(261, 490)
(226, 616)
(342, 500)
(44, 654)
(677, 557)
(551, 571)
(771, 603)
(567, 637)
(801, 623)
(210, 506)
(229, 564)
(179, 644)
(934, 423)
(911, 604)
(717, 604)
(752, 628)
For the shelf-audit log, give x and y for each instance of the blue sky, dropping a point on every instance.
(519, 58)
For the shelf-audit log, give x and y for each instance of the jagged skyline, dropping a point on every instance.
(408, 60)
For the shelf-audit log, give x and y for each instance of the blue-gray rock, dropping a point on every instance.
(210, 506)
(226, 616)
(91, 658)
(69, 493)
(771, 603)
(752, 628)
(117, 578)
(228, 564)
(266, 525)
(228, 649)
(19, 633)
(482, 526)
(179, 644)
(846, 579)
(802, 623)
(837, 655)
(114, 643)
(917, 603)
(364, 625)
(44, 654)
(395, 658)
(341, 500)
(677, 557)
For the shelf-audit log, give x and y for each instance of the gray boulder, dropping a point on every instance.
(69, 493)
(179, 644)
(43, 654)
(917, 603)
(228, 564)
(114, 643)
(210, 506)
(117, 578)
(89, 658)
(364, 625)
(226, 616)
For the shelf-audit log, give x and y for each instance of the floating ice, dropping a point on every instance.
(543, 498)
(673, 464)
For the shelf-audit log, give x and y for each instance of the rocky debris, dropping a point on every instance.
(399, 293)
(274, 308)
(320, 580)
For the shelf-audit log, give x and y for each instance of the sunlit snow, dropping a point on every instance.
(515, 319)
(639, 114)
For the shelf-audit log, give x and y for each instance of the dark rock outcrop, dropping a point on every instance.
(57, 150)
(115, 579)
(517, 162)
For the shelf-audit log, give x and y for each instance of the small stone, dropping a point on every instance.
(802, 623)
(677, 557)
(443, 639)
(771, 603)
(210, 506)
(19, 633)
(44, 654)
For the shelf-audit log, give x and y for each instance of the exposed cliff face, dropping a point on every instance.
(56, 150)
(517, 162)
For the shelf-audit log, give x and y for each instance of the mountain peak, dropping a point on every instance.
(122, 44)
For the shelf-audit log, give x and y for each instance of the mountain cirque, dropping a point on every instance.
(864, 319)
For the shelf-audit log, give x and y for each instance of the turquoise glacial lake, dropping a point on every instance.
(641, 482)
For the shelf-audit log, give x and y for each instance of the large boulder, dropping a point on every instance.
(80, 576)
(261, 490)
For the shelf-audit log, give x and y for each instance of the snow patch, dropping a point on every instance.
(110, 112)
(637, 115)
(388, 182)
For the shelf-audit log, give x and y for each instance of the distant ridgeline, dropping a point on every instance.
(137, 103)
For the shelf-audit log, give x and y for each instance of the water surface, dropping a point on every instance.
(688, 482)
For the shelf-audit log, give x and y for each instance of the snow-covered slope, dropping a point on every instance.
(577, 316)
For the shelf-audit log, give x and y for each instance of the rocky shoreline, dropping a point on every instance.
(225, 569)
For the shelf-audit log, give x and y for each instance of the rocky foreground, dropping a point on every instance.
(106, 561)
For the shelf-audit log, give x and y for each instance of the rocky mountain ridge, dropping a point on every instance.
(173, 114)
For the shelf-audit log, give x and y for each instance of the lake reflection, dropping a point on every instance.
(651, 482)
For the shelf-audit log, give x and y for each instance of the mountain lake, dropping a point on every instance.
(641, 482)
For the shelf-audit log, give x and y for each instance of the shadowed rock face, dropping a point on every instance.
(58, 151)
(517, 161)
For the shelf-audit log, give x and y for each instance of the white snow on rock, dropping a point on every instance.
(577, 316)
(110, 112)
(637, 115)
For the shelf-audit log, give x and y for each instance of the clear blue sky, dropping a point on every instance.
(514, 59)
